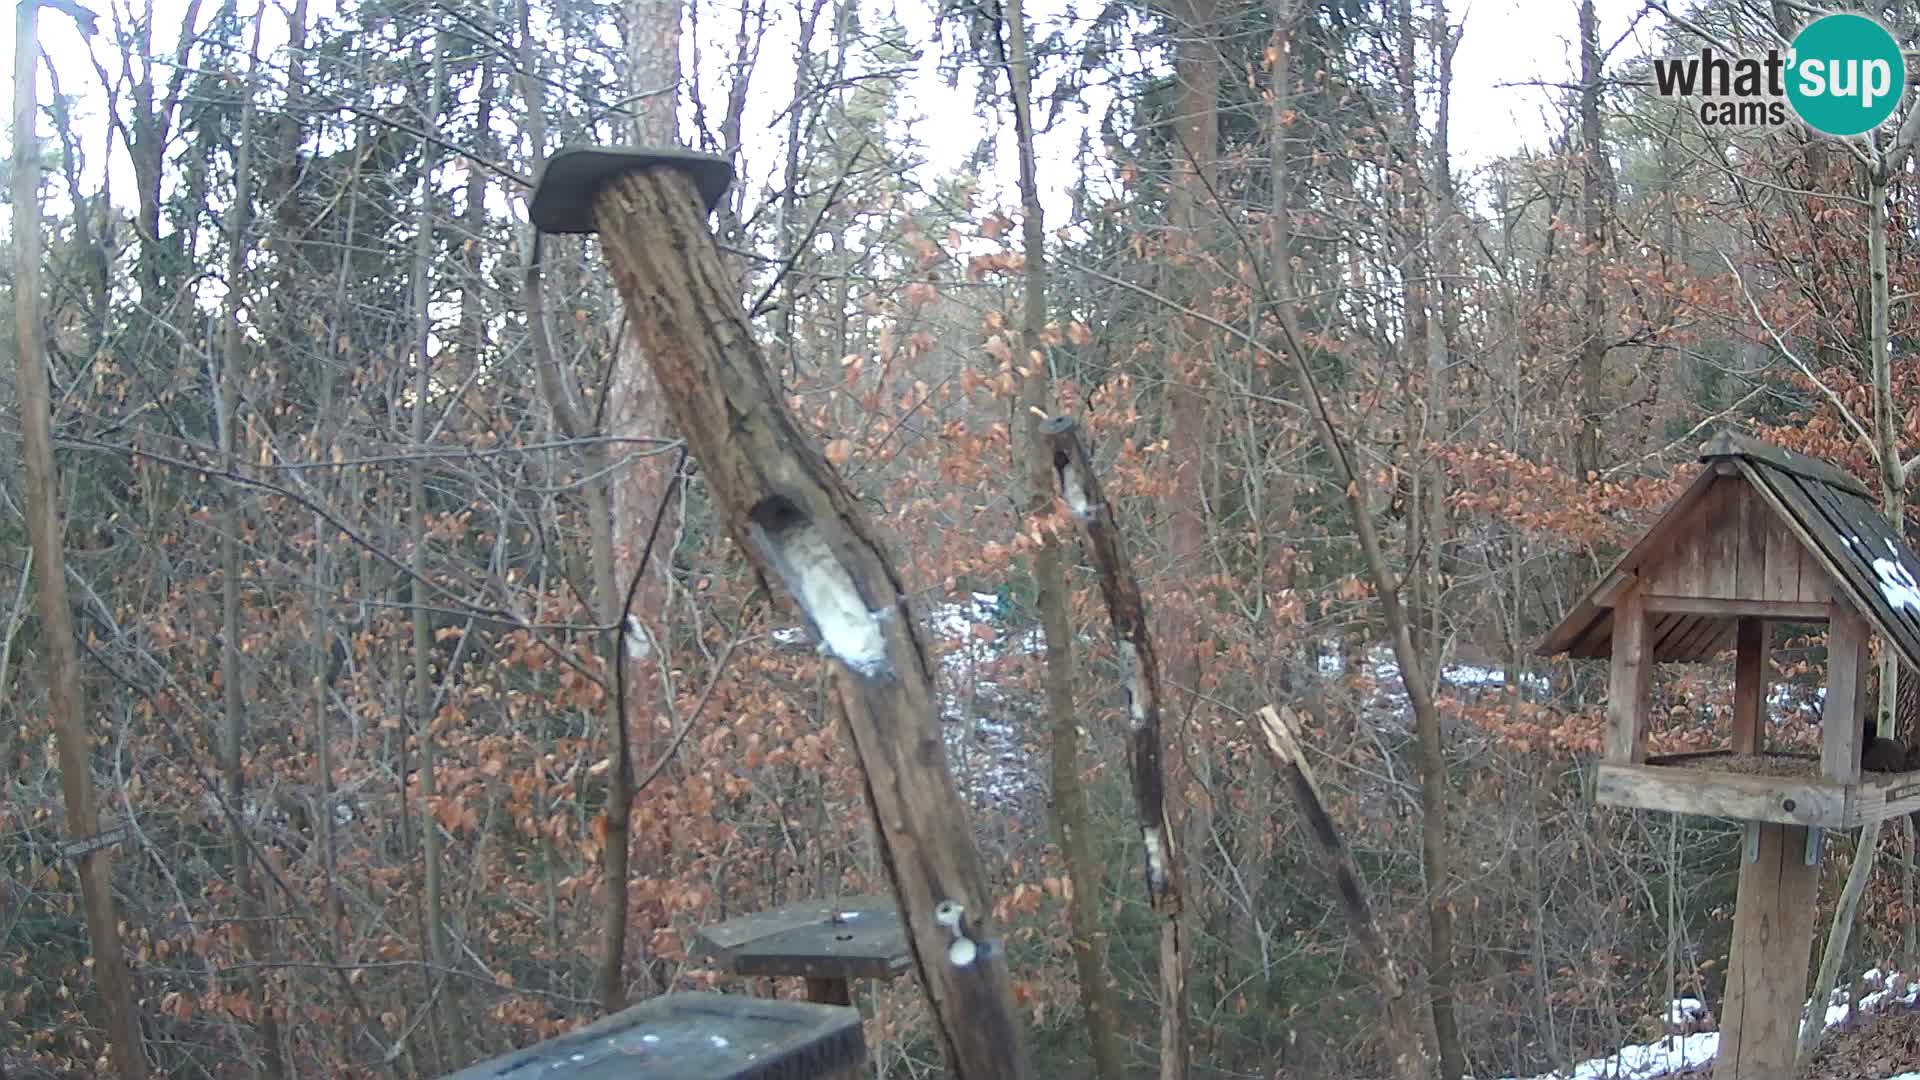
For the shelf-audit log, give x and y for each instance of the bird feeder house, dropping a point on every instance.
(1763, 535)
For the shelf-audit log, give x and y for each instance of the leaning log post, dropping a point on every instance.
(1127, 612)
(1403, 1038)
(789, 510)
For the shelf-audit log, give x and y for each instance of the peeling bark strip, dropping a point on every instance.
(1080, 489)
(786, 506)
(1409, 1060)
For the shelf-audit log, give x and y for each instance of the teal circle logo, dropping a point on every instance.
(1846, 74)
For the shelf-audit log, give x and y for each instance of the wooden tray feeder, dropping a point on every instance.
(827, 942)
(1764, 535)
(696, 1037)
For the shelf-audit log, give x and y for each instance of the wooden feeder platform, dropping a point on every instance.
(827, 942)
(696, 1037)
(1761, 536)
(1786, 789)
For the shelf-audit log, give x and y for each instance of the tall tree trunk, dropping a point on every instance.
(635, 409)
(1596, 200)
(443, 988)
(1196, 134)
(1072, 820)
(226, 414)
(67, 702)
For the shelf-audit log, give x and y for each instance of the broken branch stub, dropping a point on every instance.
(784, 504)
(1080, 490)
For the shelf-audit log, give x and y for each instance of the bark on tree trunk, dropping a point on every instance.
(1080, 488)
(1595, 203)
(226, 414)
(67, 703)
(447, 1019)
(784, 504)
(1071, 817)
(635, 408)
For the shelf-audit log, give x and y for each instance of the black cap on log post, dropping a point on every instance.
(786, 506)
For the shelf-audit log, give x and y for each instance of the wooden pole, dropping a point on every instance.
(67, 699)
(1079, 488)
(1403, 1038)
(790, 511)
(1760, 1024)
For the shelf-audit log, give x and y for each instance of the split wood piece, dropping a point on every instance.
(789, 510)
(829, 943)
(696, 1037)
(1080, 489)
(1767, 968)
(1409, 1059)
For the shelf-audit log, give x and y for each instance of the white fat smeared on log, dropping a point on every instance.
(1156, 857)
(962, 952)
(827, 594)
(639, 647)
(1073, 488)
(1136, 685)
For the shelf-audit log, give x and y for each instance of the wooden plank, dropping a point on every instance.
(1703, 642)
(1722, 538)
(1767, 968)
(1784, 554)
(1709, 793)
(1664, 632)
(1782, 610)
(710, 1036)
(1882, 796)
(1750, 561)
(1840, 521)
(1728, 444)
(1880, 553)
(1800, 513)
(1841, 719)
(1579, 620)
(1597, 641)
(1750, 687)
(1632, 675)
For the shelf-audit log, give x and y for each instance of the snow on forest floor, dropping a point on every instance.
(1679, 1052)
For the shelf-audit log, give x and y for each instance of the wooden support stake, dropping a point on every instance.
(1767, 973)
(787, 507)
(1841, 720)
(1632, 675)
(1750, 687)
(1079, 488)
(1409, 1060)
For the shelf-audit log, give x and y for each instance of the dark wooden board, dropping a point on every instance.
(694, 1037)
(1832, 519)
(1729, 445)
(856, 937)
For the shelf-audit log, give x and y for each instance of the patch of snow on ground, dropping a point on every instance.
(1678, 1052)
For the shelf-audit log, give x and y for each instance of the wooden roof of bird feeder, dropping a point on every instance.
(827, 942)
(696, 1037)
(1764, 534)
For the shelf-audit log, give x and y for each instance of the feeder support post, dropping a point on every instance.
(785, 505)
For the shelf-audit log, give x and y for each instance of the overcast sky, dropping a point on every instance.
(1509, 49)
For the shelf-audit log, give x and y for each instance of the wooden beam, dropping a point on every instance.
(1403, 1035)
(1841, 719)
(793, 515)
(1711, 793)
(1632, 676)
(1750, 686)
(1778, 610)
(1727, 444)
(1767, 968)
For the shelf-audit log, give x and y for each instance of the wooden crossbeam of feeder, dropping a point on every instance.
(789, 510)
(829, 943)
(696, 1037)
(1762, 535)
